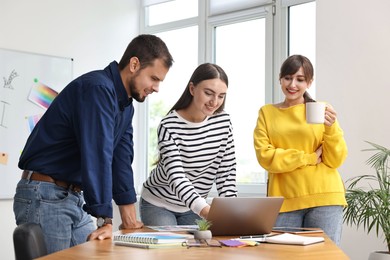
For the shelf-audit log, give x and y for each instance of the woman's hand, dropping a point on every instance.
(330, 115)
(204, 213)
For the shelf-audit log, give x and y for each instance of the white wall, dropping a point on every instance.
(352, 68)
(353, 41)
(92, 32)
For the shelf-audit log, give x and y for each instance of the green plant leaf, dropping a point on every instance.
(368, 195)
(203, 224)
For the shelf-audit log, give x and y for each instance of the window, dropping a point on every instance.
(170, 11)
(239, 36)
(185, 54)
(242, 55)
(302, 29)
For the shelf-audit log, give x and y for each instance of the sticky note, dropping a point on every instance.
(3, 158)
(232, 243)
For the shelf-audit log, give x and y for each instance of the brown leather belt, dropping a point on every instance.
(36, 176)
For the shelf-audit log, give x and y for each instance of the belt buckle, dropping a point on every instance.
(74, 188)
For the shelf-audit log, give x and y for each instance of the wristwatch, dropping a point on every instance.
(100, 221)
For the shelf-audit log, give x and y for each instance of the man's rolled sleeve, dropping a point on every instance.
(124, 198)
(103, 210)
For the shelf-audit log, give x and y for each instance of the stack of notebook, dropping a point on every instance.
(151, 239)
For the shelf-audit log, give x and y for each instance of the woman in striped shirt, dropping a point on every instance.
(196, 150)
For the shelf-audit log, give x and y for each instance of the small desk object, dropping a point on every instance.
(105, 249)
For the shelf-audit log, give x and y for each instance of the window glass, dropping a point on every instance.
(302, 33)
(172, 11)
(242, 56)
(183, 45)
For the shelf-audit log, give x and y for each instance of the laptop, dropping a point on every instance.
(239, 216)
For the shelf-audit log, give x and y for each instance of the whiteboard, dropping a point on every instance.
(29, 82)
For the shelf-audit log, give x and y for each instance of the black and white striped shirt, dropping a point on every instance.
(192, 157)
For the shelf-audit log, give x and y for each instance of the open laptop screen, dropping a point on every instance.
(243, 215)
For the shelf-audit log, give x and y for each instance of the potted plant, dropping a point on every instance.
(203, 231)
(369, 204)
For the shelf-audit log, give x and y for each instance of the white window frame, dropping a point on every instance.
(276, 12)
(257, 189)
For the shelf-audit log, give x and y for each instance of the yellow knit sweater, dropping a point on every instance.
(285, 146)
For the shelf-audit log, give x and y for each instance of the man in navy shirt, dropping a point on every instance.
(78, 157)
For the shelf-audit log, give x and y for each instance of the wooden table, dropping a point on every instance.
(107, 250)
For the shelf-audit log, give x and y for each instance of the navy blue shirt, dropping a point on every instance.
(86, 138)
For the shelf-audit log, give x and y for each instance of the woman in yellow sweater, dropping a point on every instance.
(301, 158)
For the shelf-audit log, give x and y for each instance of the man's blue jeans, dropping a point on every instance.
(58, 210)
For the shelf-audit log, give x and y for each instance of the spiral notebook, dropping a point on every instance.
(151, 238)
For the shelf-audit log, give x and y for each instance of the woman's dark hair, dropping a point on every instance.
(203, 72)
(292, 64)
(147, 48)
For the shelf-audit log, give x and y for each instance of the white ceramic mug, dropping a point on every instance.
(315, 112)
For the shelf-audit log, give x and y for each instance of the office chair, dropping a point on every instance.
(29, 242)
